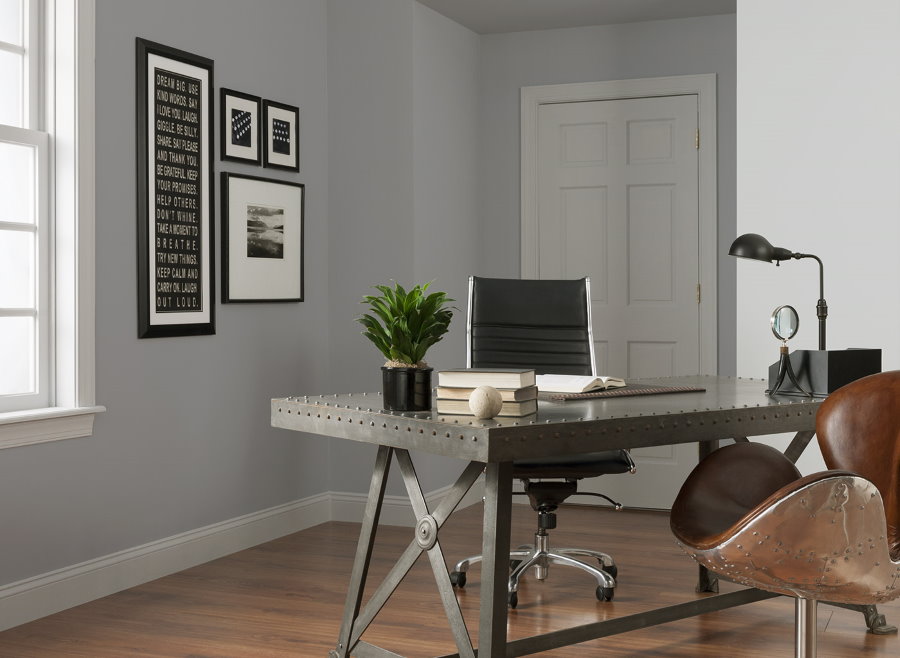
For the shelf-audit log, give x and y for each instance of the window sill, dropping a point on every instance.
(22, 428)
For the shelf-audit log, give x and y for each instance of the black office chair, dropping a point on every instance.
(544, 325)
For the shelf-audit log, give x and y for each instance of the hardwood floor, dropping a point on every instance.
(285, 598)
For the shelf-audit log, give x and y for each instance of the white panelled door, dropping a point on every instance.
(617, 200)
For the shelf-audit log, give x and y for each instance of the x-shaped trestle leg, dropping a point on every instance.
(355, 622)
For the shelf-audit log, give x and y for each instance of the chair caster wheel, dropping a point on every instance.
(458, 578)
(612, 569)
(605, 593)
(513, 599)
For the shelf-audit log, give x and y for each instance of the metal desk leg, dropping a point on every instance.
(495, 564)
(706, 581)
(875, 622)
(363, 550)
(798, 445)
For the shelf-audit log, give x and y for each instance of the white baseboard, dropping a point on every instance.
(46, 594)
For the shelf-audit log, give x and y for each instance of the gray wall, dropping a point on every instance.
(410, 157)
(593, 54)
(403, 85)
(186, 439)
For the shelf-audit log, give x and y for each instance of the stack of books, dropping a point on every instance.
(517, 389)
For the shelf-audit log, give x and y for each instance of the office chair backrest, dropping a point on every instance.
(858, 427)
(530, 323)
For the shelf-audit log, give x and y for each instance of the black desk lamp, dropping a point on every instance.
(755, 246)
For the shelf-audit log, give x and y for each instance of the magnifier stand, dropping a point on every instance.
(785, 368)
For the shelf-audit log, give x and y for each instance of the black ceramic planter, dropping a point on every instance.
(406, 389)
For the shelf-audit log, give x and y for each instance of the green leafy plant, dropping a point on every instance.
(404, 324)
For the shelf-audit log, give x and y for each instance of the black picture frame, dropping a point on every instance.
(240, 127)
(281, 128)
(263, 223)
(175, 192)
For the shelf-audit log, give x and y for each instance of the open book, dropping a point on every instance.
(576, 383)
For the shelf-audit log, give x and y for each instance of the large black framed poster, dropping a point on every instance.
(174, 192)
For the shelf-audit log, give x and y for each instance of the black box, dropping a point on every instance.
(824, 371)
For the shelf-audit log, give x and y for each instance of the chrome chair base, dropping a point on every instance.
(805, 628)
(539, 557)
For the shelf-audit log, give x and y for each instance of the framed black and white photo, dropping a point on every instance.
(280, 126)
(174, 192)
(262, 239)
(240, 126)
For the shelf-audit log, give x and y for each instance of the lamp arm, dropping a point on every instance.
(821, 306)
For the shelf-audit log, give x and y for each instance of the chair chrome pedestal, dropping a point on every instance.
(805, 627)
(545, 497)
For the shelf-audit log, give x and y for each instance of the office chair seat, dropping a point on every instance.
(608, 462)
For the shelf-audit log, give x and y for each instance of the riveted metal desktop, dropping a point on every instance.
(729, 408)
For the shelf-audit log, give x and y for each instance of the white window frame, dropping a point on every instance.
(68, 66)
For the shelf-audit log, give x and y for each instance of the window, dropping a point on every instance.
(46, 220)
(24, 229)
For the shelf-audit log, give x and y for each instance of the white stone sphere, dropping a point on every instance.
(485, 402)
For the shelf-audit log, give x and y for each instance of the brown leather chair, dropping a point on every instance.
(746, 513)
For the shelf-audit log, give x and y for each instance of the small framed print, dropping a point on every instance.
(262, 239)
(280, 127)
(240, 126)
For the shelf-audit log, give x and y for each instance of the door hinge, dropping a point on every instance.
(698, 293)
(697, 139)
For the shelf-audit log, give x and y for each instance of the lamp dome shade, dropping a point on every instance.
(752, 245)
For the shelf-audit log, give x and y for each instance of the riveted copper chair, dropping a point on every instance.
(746, 513)
(544, 324)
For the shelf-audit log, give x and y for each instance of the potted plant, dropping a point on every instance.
(403, 325)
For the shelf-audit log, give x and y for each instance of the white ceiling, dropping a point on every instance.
(493, 16)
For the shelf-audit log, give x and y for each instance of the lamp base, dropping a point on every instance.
(824, 371)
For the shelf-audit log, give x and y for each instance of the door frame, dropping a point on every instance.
(704, 86)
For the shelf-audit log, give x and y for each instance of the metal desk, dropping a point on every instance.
(730, 408)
